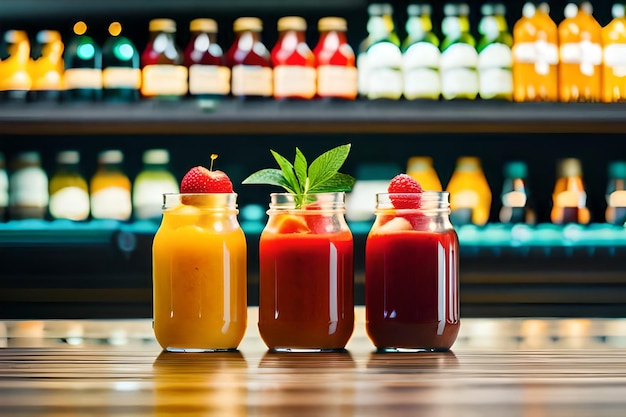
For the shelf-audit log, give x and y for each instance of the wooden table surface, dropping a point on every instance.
(503, 367)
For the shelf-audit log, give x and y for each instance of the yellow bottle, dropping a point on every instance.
(110, 188)
(69, 196)
(421, 169)
(15, 81)
(614, 57)
(46, 70)
(569, 200)
(470, 195)
(580, 37)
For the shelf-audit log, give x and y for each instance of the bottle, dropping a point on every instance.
(15, 79)
(495, 58)
(249, 60)
(412, 276)
(28, 187)
(421, 169)
(580, 71)
(616, 194)
(69, 195)
(535, 55)
(614, 57)
(335, 61)
(459, 59)
(110, 188)
(83, 67)
(47, 67)
(470, 195)
(154, 180)
(420, 55)
(515, 195)
(384, 58)
(163, 75)
(121, 76)
(4, 188)
(209, 77)
(569, 199)
(293, 61)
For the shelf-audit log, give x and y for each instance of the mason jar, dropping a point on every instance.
(199, 274)
(306, 280)
(412, 275)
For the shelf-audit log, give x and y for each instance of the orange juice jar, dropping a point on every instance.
(580, 50)
(199, 274)
(535, 55)
(614, 57)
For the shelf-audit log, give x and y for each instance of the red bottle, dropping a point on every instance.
(163, 75)
(249, 60)
(293, 61)
(208, 74)
(335, 60)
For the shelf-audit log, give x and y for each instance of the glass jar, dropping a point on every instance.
(412, 275)
(199, 274)
(306, 277)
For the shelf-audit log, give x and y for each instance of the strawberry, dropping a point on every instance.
(406, 192)
(200, 180)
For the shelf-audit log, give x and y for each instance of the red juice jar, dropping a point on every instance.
(293, 61)
(208, 74)
(306, 280)
(249, 60)
(412, 276)
(163, 75)
(335, 60)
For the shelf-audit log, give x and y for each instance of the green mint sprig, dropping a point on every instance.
(300, 179)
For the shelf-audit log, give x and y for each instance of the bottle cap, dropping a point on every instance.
(46, 36)
(253, 24)
(110, 157)
(162, 25)
(617, 11)
(487, 9)
(468, 161)
(115, 29)
(569, 167)
(386, 8)
(68, 157)
(28, 158)
(375, 9)
(499, 9)
(203, 25)
(156, 156)
(586, 7)
(464, 9)
(419, 9)
(617, 169)
(515, 169)
(80, 28)
(571, 10)
(326, 24)
(544, 7)
(291, 23)
(528, 10)
(418, 162)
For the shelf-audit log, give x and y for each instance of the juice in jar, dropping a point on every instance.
(293, 61)
(411, 276)
(535, 55)
(614, 57)
(306, 277)
(335, 61)
(15, 79)
(580, 50)
(199, 274)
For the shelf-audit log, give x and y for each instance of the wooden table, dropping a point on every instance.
(530, 368)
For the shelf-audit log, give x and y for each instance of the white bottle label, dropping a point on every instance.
(77, 78)
(540, 53)
(495, 70)
(164, 80)
(148, 197)
(294, 80)
(617, 199)
(111, 203)
(459, 76)
(336, 81)
(385, 71)
(120, 77)
(585, 53)
(615, 58)
(363, 72)
(252, 80)
(29, 188)
(70, 203)
(209, 79)
(420, 67)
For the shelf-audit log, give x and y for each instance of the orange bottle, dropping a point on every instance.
(580, 51)
(535, 55)
(569, 200)
(15, 81)
(421, 169)
(614, 57)
(470, 194)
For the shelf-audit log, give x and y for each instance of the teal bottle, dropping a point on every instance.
(83, 67)
(121, 75)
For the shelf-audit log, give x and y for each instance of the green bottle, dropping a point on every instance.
(459, 59)
(121, 76)
(83, 67)
(495, 59)
(420, 55)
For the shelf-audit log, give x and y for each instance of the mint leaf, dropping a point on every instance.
(288, 173)
(327, 164)
(300, 166)
(338, 182)
(269, 176)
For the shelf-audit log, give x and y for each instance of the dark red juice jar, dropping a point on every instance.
(412, 276)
